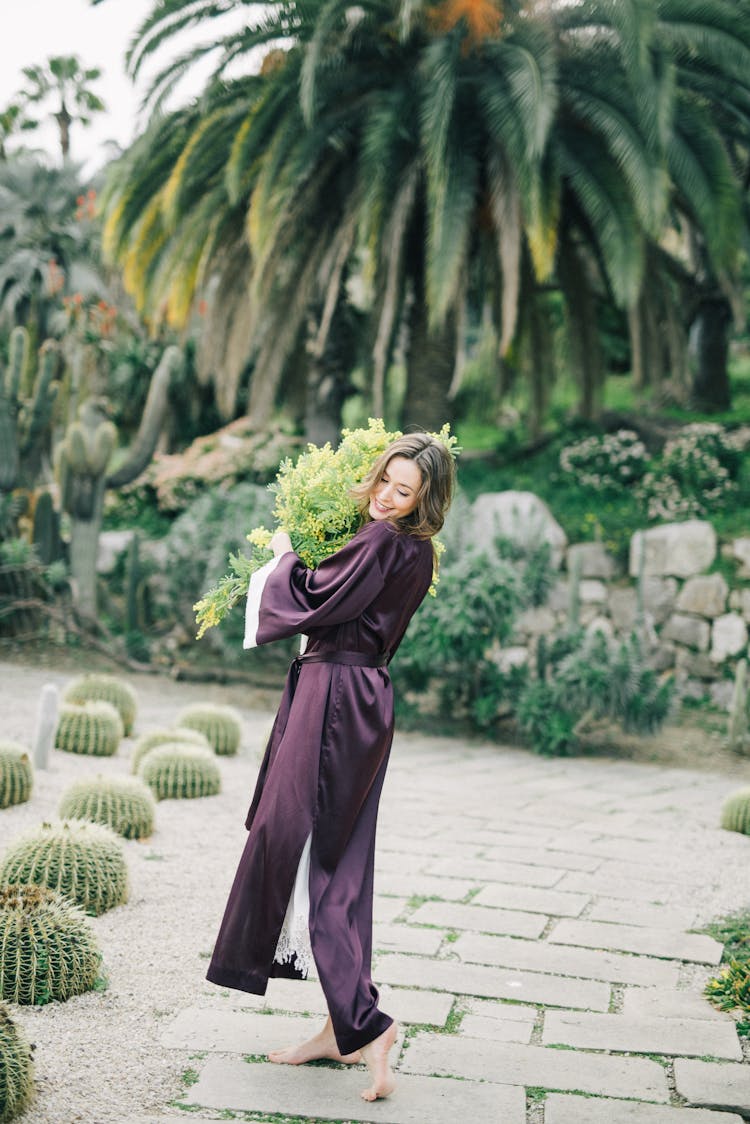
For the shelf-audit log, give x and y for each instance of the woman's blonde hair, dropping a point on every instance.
(438, 473)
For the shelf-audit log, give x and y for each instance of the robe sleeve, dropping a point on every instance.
(295, 599)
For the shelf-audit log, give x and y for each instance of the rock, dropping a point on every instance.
(742, 602)
(559, 596)
(663, 657)
(592, 559)
(111, 545)
(740, 552)
(690, 631)
(696, 664)
(509, 658)
(592, 592)
(659, 595)
(728, 637)
(705, 595)
(520, 516)
(623, 606)
(676, 549)
(721, 694)
(601, 624)
(535, 622)
(693, 689)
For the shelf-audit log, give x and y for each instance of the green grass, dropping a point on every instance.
(730, 989)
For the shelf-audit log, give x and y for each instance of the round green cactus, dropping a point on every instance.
(94, 728)
(147, 742)
(16, 1068)
(48, 950)
(220, 724)
(105, 688)
(123, 803)
(178, 771)
(735, 815)
(82, 860)
(16, 774)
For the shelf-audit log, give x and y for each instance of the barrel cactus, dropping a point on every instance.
(16, 1069)
(149, 741)
(220, 724)
(16, 774)
(48, 950)
(123, 803)
(105, 688)
(94, 728)
(735, 815)
(176, 771)
(82, 860)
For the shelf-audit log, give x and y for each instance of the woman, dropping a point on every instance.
(303, 890)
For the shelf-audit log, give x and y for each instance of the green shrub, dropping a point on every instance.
(735, 815)
(177, 771)
(149, 741)
(452, 638)
(82, 860)
(221, 725)
(16, 774)
(123, 803)
(609, 460)
(16, 1068)
(48, 950)
(588, 677)
(105, 688)
(94, 728)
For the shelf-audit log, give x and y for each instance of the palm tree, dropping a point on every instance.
(63, 81)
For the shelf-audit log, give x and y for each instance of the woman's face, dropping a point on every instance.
(395, 494)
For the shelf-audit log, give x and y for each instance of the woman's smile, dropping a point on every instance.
(396, 493)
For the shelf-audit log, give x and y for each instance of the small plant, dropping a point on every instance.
(124, 804)
(220, 725)
(48, 950)
(16, 774)
(614, 460)
(149, 741)
(735, 815)
(696, 473)
(82, 860)
(94, 728)
(16, 1068)
(105, 688)
(730, 990)
(176, 771)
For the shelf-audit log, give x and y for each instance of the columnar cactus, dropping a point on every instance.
(82, 462)
(82, 860)
(16, 774)
(149, 741)
(220, 724)
(48, 950)
(176, 771)
(94, 728)
(105, 688)
(122, 803)
(25, 412)
(16, 1068)
(735, 815)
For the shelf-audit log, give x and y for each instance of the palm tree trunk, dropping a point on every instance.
(430, 362)
(709, 346)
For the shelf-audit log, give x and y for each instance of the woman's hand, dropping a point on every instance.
(280, 543)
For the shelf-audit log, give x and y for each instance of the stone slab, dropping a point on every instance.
(407, 938)
(713, 1085)
(513, 923)
(562, 1109)
(492, 983)
(641, 1035)
(634, 889)
(622, 912)
(540, 956)
(665, 943)
(495, 1009)
(425, 886)
(386, 910)
(405, 1004)
(320, 1092)
(661, 1002)
(532, 899)
(538, 1066)
(538, 856)
(239, 1032)
(496, 872)
(499, 1030)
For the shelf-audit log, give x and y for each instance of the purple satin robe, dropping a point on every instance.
(323, 772)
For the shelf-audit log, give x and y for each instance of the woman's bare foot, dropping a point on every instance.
(375, 1053)
(323, 1045)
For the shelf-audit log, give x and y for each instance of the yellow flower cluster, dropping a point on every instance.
(313, 505)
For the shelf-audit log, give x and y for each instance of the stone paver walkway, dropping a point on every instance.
(534, 940)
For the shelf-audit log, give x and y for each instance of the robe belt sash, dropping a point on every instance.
(352, 659)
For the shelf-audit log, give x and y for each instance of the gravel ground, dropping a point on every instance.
(97, 1057)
